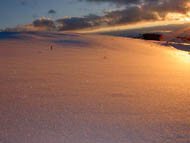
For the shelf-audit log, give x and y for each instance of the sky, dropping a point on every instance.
(19, 12)
(62, 15)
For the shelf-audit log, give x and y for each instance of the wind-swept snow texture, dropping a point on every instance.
(92, 89)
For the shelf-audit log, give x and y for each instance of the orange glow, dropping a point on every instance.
(171, 18)
(183, 56)
(178, 17)
(124, 27)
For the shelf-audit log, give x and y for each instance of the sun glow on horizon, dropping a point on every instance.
(171, 18)
(178, 17)
(133, 26)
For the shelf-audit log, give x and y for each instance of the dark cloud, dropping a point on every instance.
(41, 24)
(131, 15)
(163, 7)
(73, 23)
(44, 23)
(51, 11)
(143, 10)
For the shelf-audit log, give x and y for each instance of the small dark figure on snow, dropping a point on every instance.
(51, 48)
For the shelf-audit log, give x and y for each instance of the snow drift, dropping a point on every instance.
(92, 88)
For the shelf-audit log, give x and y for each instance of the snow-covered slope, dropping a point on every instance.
(92, 89)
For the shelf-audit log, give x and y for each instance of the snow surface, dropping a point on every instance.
(92, 89)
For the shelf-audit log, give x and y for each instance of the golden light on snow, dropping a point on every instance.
(183, 56)
(92, 88)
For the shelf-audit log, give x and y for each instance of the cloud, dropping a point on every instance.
(41, 24)
(133, 11)
(163, 7)
(73, 23)
(51, 11)
(144, 10)
(131, 15)
(44, 22)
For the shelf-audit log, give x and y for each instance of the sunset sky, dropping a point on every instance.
(64, 15)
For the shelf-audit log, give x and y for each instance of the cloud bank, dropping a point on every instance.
(145, 10)
(134, 11)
